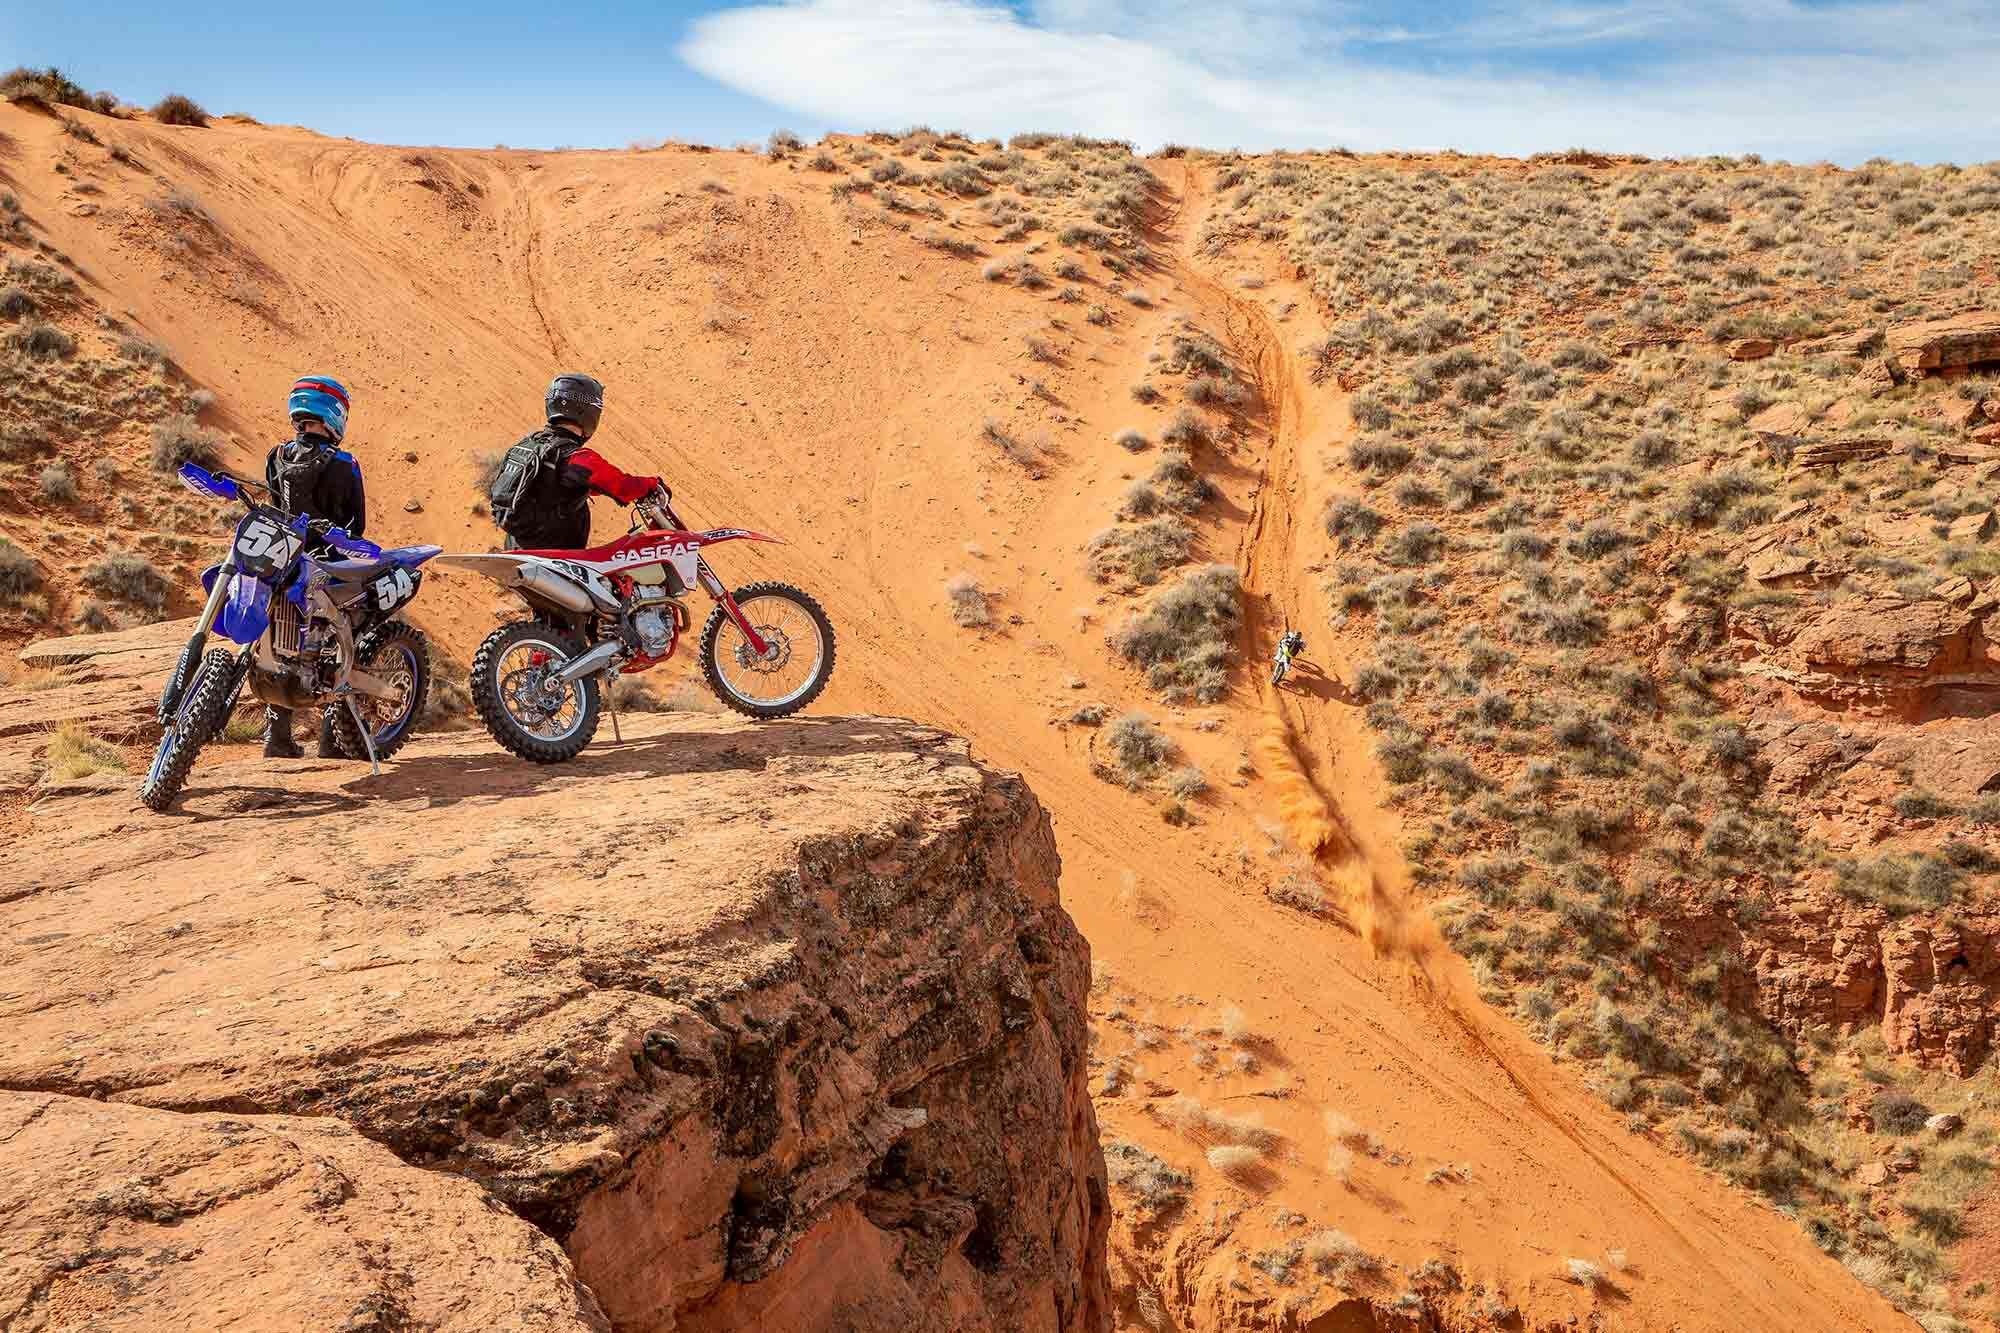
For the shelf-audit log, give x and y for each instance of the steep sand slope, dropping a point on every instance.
(803, 366)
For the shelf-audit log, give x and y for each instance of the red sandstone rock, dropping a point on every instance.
(122, 1219)
(1931, 345)
(751, 1032)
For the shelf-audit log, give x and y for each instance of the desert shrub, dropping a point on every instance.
(486, 465)
(182, 439)
(15, 303)
(1597, 539)
(1131, 441)
(44, 342)
(1022, 452)
(1705, 499)
(58, 483)
(1138, 747)
(1187, 782)
(48, 86)
(174, 109)
(1524, 544)
(782, 142)
(962, 246)
(1350, 520)
(1210, 390)
(1155, 1186)
(1370, 412)
(968, 602)
(1180, 486)
(1375, 454)
(1146, 392)
(1183, 640)
(1897, 1112)
(95, 619)
(19, 575)
(127, 577)
(1922, 805)
(1143, 551)
(1651, 448)
(1187, 430)
(1581, 355)
(1415, 544)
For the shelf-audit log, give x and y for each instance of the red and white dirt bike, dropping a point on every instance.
(607, 611)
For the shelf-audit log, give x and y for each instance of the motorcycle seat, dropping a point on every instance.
(357, 571)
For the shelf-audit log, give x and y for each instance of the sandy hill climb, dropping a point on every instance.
(1311, 1119)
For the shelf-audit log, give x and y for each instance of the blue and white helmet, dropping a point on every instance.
(323, 399)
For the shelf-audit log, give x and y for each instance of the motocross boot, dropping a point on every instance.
(328, 747)
(278, 742)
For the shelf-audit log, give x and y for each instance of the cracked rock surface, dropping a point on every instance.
(774, 1025)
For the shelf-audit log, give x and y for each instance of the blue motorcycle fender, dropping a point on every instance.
(247, 611)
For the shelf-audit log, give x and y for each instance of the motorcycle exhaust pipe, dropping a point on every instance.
(552, 587)
(590, 663)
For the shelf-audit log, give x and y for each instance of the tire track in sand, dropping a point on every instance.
(1396, 931)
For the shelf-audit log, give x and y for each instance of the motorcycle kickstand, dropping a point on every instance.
(616, 737)
(367, 740)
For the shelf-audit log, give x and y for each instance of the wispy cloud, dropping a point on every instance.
(1789, 78)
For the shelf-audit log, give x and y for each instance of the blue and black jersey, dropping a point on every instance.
(318, 478)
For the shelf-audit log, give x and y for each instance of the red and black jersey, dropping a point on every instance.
(554, 512)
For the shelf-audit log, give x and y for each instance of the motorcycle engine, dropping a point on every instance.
(654, 635)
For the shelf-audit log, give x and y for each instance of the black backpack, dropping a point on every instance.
(520, 468)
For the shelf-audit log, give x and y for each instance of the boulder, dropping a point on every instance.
(1931, 345)
(773, 1025)
(1853, 343)
(1792, 418)
(123, 1219)
(1970, 527)
(1944, 1124)
(1958, 758)
(1872, 1174)
(1805, 754)
(1751, 349)
(1887, 636)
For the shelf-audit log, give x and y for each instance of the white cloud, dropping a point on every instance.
(1782, 77)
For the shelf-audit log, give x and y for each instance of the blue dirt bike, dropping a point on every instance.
(311, 632)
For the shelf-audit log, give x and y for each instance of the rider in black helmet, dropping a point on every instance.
(541, 495)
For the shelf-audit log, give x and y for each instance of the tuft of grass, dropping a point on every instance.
(20, 576)
(74, 753)
(182, 439)
(58, 484)
(1131, 441)
(1238, 1162)
(127, 577)
(44, 342)
(968, 602)
(1138, 747)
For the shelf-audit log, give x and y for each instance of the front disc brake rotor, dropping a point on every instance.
(780, 645)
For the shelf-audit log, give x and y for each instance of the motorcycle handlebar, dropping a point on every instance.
(337, 538)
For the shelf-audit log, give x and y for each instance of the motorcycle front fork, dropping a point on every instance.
(190, 659)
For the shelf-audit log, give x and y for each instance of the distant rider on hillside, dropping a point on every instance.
(541, 495)
(311, 474)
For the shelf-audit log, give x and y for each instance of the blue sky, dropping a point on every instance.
(1803, 79)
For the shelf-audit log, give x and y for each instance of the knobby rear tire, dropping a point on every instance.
(500, 724)
(388, 636)
(202, 713)
(710, 642)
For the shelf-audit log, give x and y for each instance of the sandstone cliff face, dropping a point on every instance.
(1932, 983)
(773, 1026)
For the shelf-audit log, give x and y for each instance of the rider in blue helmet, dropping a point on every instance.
(311, 474)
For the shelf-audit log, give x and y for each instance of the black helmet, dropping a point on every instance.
(577, 399)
